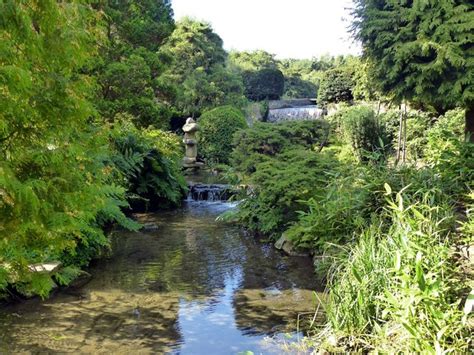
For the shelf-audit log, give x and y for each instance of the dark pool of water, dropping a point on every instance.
(185, 284)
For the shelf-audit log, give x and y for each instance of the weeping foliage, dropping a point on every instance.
(55, 190)
(148, 166)
(420, 50)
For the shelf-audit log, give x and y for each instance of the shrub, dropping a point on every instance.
(417, 124)
(280, 186)
(450, 154)
(256, 112)
(362, 130)
(296, 88)
(264, 84)
(148, 166)
(336, 86)
(397, 289)
(342, 205)
(217, 128)
(263, 140)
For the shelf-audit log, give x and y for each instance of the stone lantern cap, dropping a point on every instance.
(190, 126)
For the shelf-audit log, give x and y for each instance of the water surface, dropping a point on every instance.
(185, 284)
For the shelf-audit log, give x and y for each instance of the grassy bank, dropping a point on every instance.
(391, 233)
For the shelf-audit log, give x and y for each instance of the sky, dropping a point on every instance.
(286, 28)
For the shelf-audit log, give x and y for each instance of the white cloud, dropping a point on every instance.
(296, 28)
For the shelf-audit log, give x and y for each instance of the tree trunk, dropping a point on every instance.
(405, 134)
(400, 128)
(469, 127)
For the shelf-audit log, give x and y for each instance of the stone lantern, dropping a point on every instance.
(190, 141)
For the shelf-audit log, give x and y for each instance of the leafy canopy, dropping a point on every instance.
(56, 193)
(420, 50)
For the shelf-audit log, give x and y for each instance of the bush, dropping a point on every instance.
(280, 186)
(281, 163)
(418, 123)
(397, 289)
(336, 86)
(264, 84)
(148, 164)
(217, 128)
(265, 140)
(361, 129)
(450, 155)
(343, 204)
(296, 88)
(256, 112)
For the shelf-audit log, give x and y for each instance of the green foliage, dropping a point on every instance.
(336, 86)
(267, 140)
(343, 202)
(297, 87)
(364, 89)
(55, 190)
(217, 128)
(149, 166)
(420, 51)
(146, 24)
(130, 71)
(198, 70)
(399, 284)
(450, 155)
(361, 129)
(395, 285)
(203, 90)
(417, 125)
(279, 161)
(252, 61)
(256, 111)
(66, 275)
(301, 78)
(264, 84)
(260, 74)
(281, 185)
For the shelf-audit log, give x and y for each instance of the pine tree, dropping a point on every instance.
(421, 50)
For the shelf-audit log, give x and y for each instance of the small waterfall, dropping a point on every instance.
(209, 192)
(295, 114)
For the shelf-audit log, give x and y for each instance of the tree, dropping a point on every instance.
(55, 190)
(144, 23)
(252, 61)
(336, 86)
(264, 84)
(198, 71)
(421, 51)
(260, 74)
(301, 80)
(130, 70)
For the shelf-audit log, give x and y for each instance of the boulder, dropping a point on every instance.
(286, 245)
(82, 279)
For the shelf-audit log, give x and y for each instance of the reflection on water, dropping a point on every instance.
(185, 284)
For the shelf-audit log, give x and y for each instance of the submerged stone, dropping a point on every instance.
(286, 245)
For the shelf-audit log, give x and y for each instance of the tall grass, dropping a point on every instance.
(398, 289)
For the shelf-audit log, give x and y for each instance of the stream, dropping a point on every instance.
(185, 284)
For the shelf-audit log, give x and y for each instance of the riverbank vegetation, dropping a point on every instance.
(379, 191)
(384, 203)
(76, 98)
